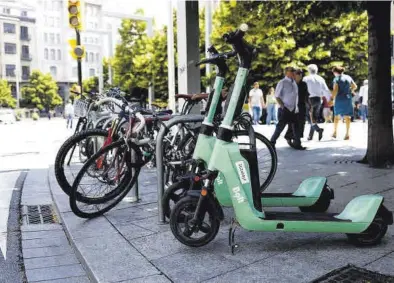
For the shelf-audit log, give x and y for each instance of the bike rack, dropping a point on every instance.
(159, 154)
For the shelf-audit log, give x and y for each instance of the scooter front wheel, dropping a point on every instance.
(372, 236)
(186, 231)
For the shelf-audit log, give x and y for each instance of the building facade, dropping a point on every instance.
(18, 43)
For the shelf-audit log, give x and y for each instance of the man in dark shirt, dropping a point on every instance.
(303, 101)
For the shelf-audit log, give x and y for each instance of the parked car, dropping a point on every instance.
(7, 116)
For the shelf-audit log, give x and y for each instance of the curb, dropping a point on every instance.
(81, 259)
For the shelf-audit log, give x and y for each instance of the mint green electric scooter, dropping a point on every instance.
(313, 195)
(195, 220)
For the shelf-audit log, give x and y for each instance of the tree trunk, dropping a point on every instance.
(380, 150)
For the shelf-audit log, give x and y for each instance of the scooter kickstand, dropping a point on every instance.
(231, 235)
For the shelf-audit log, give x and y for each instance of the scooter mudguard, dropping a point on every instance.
(307, 194)
(361, 209)
(210, 201)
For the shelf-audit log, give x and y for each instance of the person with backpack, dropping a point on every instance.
(343, 87)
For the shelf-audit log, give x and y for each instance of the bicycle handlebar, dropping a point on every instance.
(115, 101)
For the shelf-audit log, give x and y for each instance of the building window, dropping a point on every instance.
(6, 11)
(95, 25)
(46, 53)
(24, 33)
(57, 22)
(74, 72)
(46, 20)
(53, 71)
(53, 54)
(10, 70)
(9, 28)
(86, 57)
(58, 38)
(85, 39)
(24, 14)
(90, 39)
(92, 72)
(25, 51)
(97, 57)
(51, 22)
(59, 55)
(91, 57)
(52, 38)
(45, 37)
(25, 72)
(10, 48)
(97, 40)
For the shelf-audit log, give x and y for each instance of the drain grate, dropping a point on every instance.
(354, 274)
(39, 214)
(345, 161)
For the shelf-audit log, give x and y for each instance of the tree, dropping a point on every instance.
(297, 33)
(41, 92)
(6, 99)
(90, 84)
(380, 150)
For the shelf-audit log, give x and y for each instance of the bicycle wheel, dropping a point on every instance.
(74, 152)
(105, 179)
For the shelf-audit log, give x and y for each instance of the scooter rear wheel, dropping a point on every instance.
(372, 235)
(189, 233)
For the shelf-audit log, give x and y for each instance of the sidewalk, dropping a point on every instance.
(128, 245)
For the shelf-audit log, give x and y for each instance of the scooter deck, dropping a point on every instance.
(280, 195)
(301, 216)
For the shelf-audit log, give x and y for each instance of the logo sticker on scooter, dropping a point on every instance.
(219, 180)
(237, 195)
(243, 174)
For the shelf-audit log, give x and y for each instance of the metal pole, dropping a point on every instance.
(79, 62)
(208, 30)
(110, 57)
(134, 193)
(171, 62)
(18, 95)
(101, 69)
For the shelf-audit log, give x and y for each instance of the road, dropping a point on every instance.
(23, 146)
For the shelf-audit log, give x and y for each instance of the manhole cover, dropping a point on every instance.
(353, 274)
(39, 214)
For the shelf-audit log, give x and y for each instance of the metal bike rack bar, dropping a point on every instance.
(159, 154)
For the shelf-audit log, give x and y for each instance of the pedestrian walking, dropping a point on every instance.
(256, 102)
(364, 100)
(271, 107)
(343, 87)
(303, 101)
(327, 114)
(286, 93)
(317, 88)
(69, 112)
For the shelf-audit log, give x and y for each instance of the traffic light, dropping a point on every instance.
(75, 14)
(77, 51)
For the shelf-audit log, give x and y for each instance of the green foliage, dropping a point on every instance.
(6, 99)
(298, 33)
(41, 92)
(35, 116)
(90, 84)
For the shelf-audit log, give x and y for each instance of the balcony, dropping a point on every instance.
(25, 37)
(26, 57)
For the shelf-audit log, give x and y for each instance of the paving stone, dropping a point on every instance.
(41, 227)
(132, 231)
(185, 268)
(149, 279)
(42, 234)
(152, 224)
(279, 268)
(59, 260)
(46, 251)
(128, 215)
(384, 265)
(112, 258)
(84, 228)
(40, 243)
(80, 279)
(51, 273)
